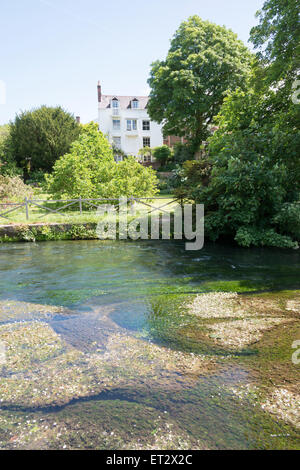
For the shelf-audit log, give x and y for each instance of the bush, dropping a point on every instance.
(90, 171)
(166, 185)
(12, 189)
(168, 167)
(242, 195)
(53, 233)
(197, 171)
(162, 154)
(37, 178)
(130, 178)
(9, 167)
(288, 219)
(247, 236)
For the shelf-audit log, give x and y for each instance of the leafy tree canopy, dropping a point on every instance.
(249, 122)
(4, 132)
(277, 37)
(42, 136)
(183, 152)
(250, 182)
(90, 171)
(205, 61)
(130, 178)
(8, 166)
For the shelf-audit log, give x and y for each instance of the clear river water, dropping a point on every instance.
(134, 289)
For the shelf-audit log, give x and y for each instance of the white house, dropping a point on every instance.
(125, 121)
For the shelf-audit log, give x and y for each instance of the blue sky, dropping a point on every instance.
(53, 52)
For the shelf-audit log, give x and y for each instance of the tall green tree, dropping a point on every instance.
(86, 169)
(204, 63)
(252, 189)
(248, 122)
(4, 133)
(277, 38)
(40, 137)
(90, 171)
(8, 166)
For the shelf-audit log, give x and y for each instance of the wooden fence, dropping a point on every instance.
(11, 207)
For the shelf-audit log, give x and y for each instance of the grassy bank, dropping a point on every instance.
(71, 224)
(40, 214)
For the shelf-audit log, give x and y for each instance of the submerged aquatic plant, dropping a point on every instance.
(214, 305)
(240, 333)
(285, 404)
(13, 310)
(45, 371)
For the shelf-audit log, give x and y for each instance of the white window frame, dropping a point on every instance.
(131, 125)
(119, 141)
(118, 128)
(149, 138)
(115, 103)
(147, 122)
(135, 104)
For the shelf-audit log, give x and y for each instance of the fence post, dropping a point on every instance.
(80, 205)
(26, 207)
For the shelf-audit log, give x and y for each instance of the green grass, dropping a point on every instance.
(71, 214)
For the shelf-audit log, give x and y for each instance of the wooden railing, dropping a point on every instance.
(41, 203)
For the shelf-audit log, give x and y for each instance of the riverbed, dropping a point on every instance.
(143, 345)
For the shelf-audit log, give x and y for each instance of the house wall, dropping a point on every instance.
(131, 141)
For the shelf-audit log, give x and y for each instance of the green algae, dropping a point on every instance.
(41, 370)
(247, 285)
(124, 425)
(56, 374)
(27, 344)
(154, 377)
(274, 377)
(69, 297)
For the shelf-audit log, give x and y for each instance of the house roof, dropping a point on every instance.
(125, 101)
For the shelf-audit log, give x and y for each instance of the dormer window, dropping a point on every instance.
(115, 103)
(135, 103)
(115, 107)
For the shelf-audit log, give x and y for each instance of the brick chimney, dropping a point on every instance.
(99, 92)
(78, 119)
